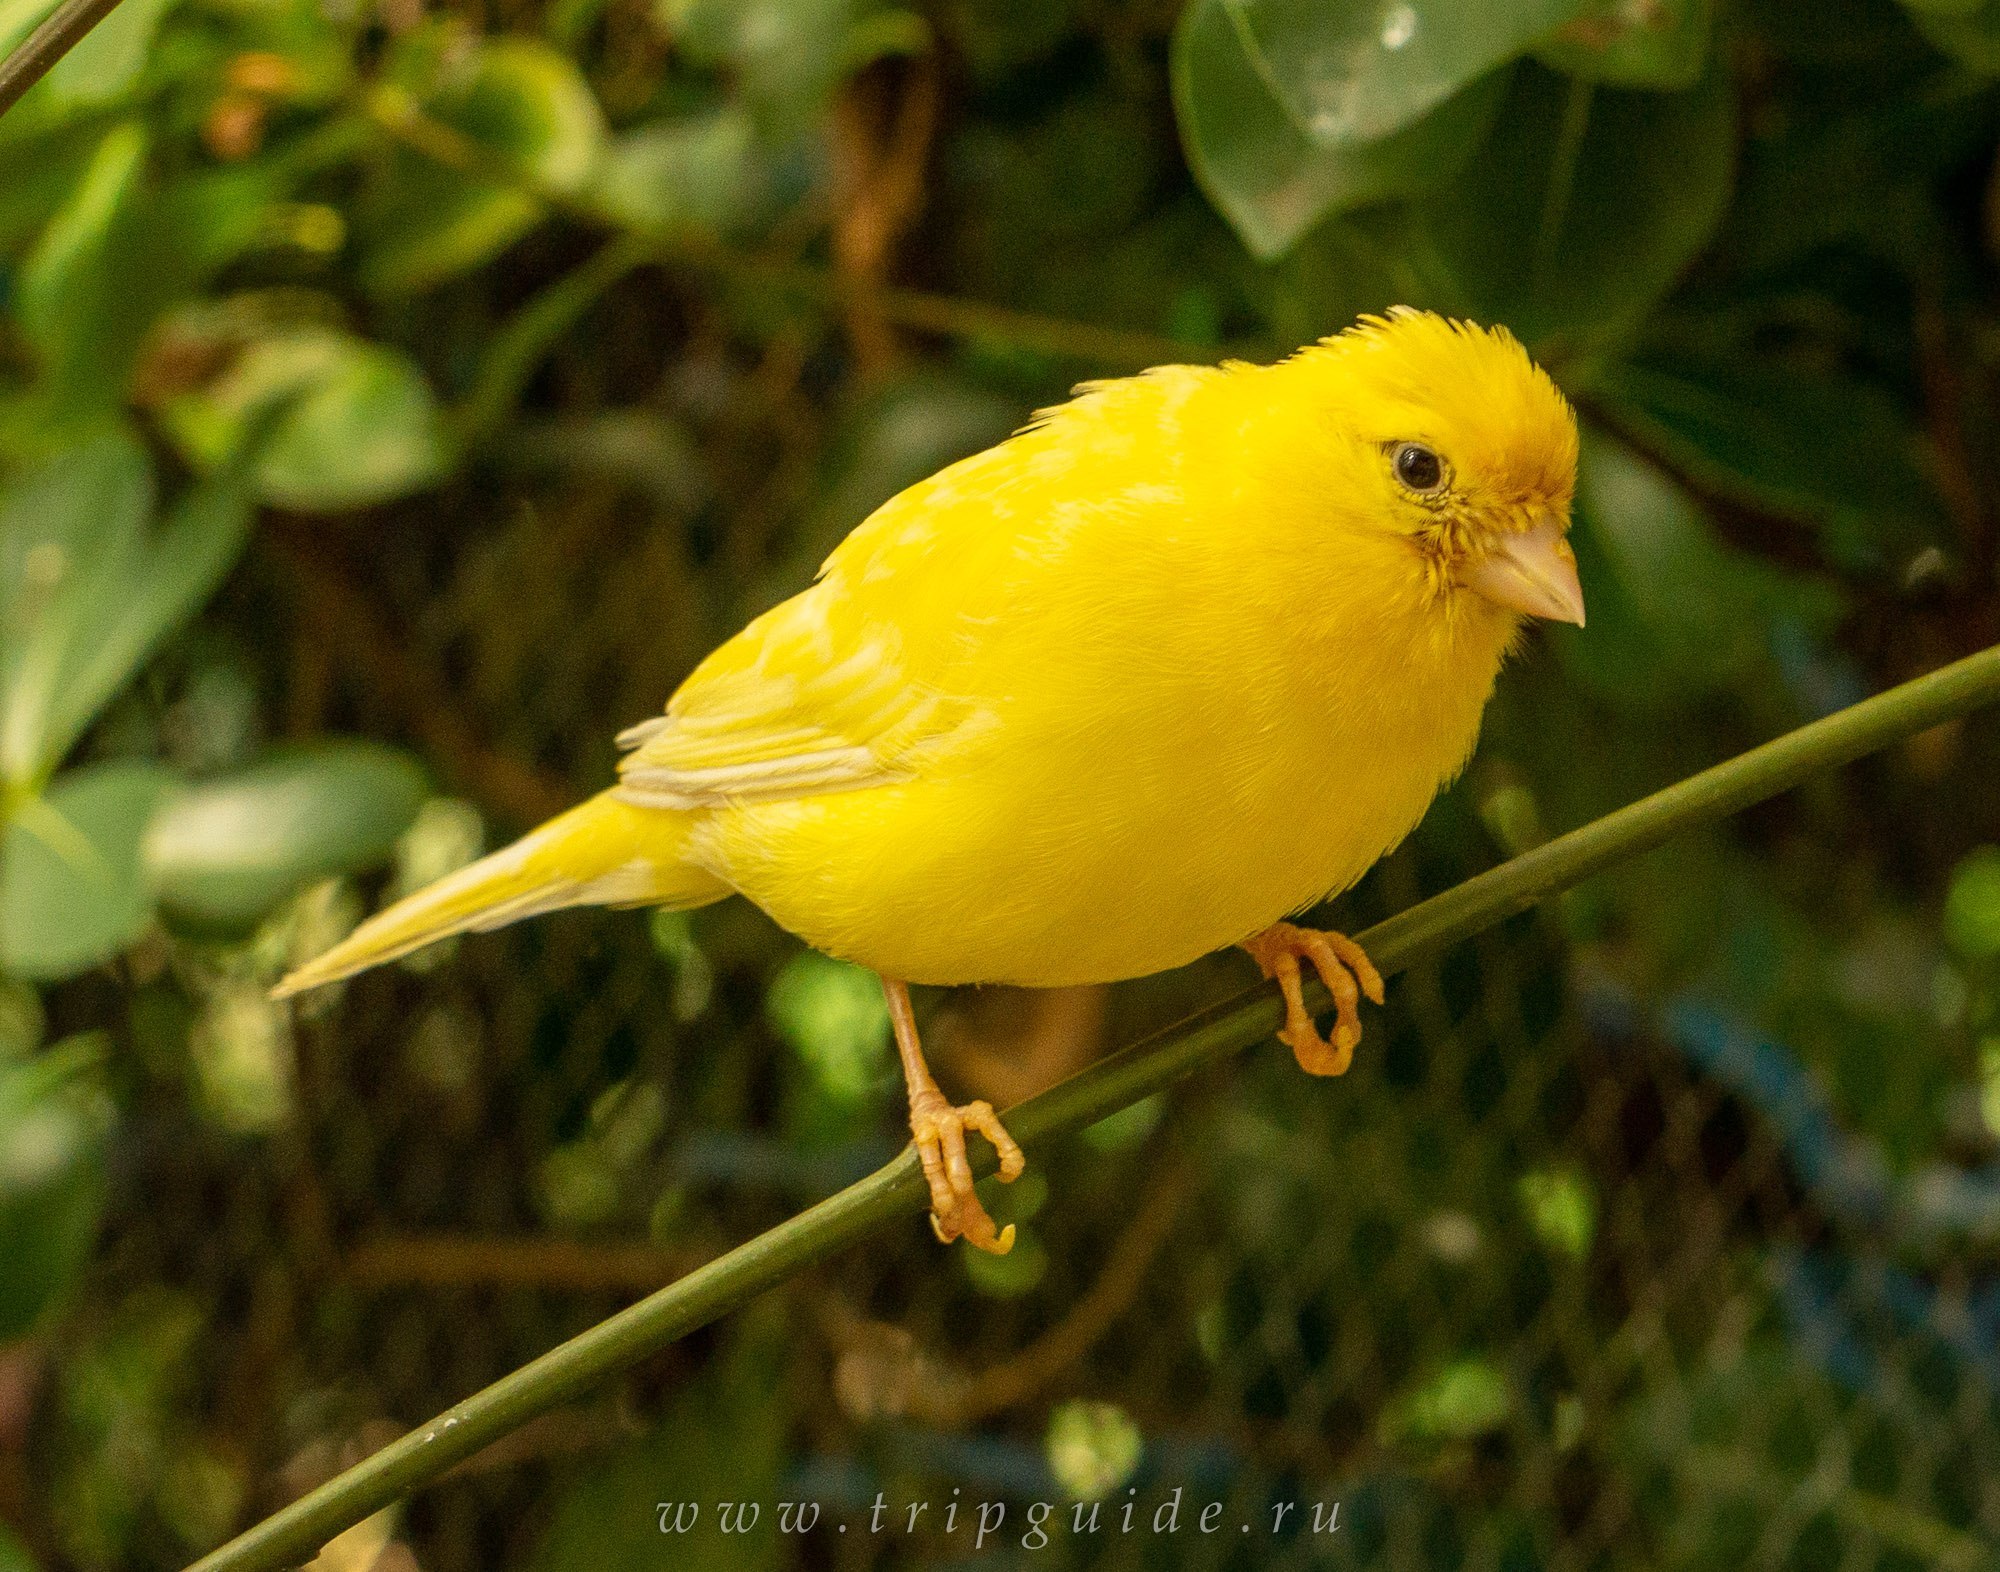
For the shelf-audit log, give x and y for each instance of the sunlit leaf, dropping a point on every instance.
(834, 1015)
(226, 851)
(1584, 205)
(72, 887)
(1466, 1399)
(1972, 904)
(359, 423)
(1273, 180)
(1561, 1208)
(108, 60)
(1092, 1448)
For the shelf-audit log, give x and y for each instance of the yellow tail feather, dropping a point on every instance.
(602, 853)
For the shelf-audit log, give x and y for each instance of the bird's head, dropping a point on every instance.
(1467, 451)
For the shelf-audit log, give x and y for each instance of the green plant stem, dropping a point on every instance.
(61, 31)
(295, 1533)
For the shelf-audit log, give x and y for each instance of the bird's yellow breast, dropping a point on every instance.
(1156, 686)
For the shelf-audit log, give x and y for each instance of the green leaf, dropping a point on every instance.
(359, 424)
(14, 1555)
(18, 18)
(785, 56)
(72, 889)
(836, 1018)
(1972, 904)
(108, 60)
(224, 852)
(1703, 609)
(1092, 1448)
(1660, 44)
(529, 108)
(1584, 206)
(1269, 178)
(55, 1122)
(1350, 72)
(699, 173)
(1467, 1399)
(1561, 1208)
(88, 592)
(84, 295)
(1801, 443)
(1970, 34)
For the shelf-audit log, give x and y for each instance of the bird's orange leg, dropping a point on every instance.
(938, 1130)
(1347, 972)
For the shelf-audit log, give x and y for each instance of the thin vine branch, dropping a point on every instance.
(61, 31)
(896, 1191)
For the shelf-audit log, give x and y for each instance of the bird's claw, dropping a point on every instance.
(939, 1130)
(1348, 974)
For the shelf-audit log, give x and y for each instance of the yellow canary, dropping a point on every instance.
(1187, 654)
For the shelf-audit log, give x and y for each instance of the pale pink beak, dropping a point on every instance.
(1533, 573)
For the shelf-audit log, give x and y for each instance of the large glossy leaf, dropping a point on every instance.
(1350, 72)
(225, 851)
(358, 422)
(55, 1117)
(1824, 449)
(526, 107)
(89, 590)
(1683, 608)
(72, 890)
(1271, 179)
(1585, 204)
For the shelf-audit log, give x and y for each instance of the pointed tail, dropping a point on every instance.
(602, 853)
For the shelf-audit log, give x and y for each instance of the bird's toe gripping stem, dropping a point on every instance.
(939, 1129)
(1348, 974)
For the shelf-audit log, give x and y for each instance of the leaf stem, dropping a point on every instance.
(897, 1190)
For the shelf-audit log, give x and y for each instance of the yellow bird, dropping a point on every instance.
(1184, 656)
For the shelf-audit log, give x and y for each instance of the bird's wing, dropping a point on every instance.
(833, 690)
(863, 677)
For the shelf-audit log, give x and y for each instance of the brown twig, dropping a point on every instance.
(878, 191)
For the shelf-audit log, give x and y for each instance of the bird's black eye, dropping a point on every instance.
(1418, 467)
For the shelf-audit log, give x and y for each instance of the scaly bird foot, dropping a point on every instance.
(939, 1132)
(1347, 972)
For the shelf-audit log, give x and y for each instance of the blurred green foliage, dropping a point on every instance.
(394, 401)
